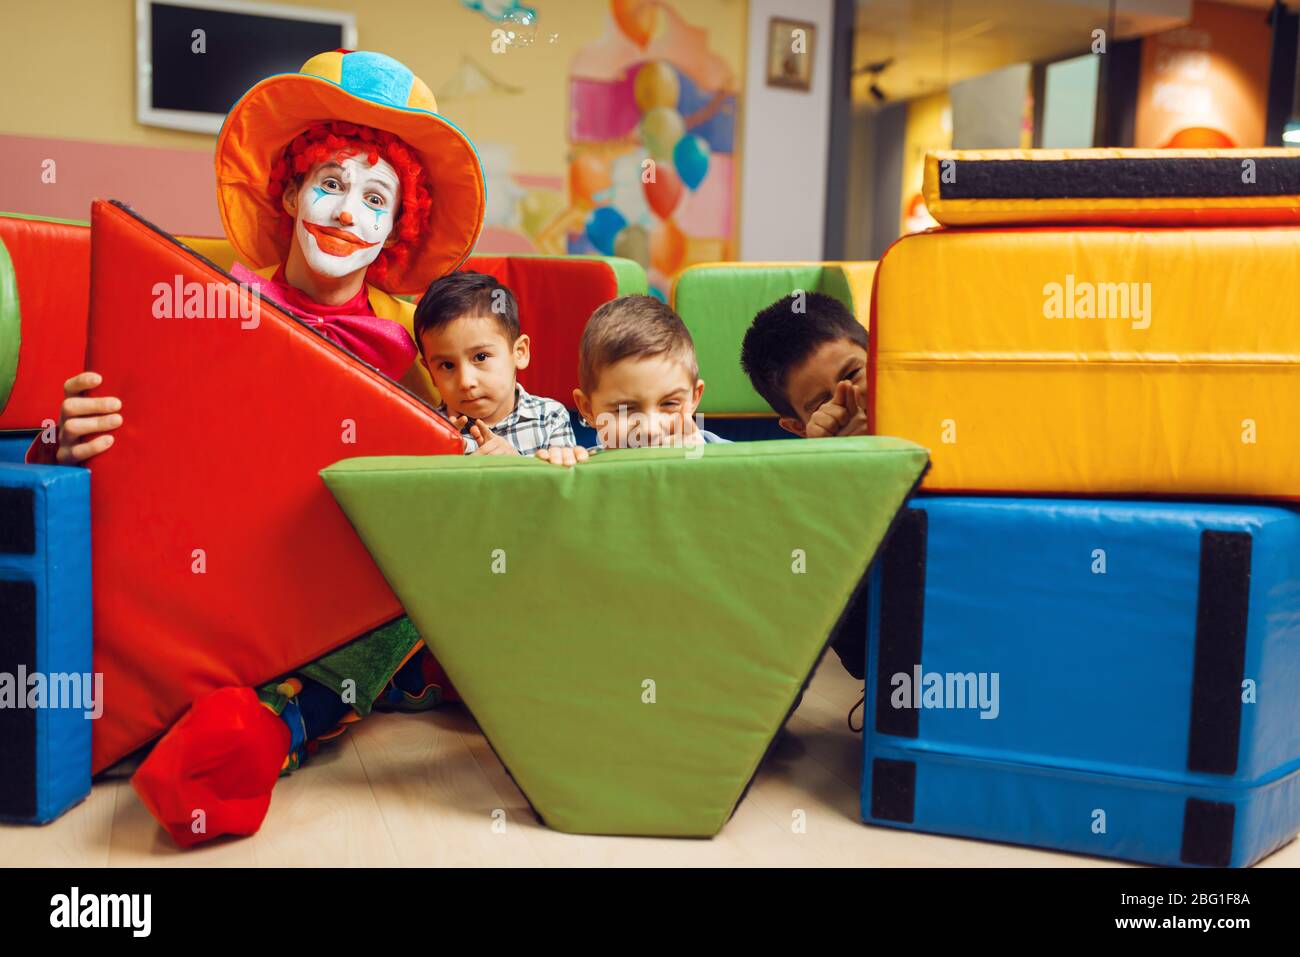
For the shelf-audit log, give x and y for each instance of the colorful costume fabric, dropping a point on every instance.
(223, 756)
(381, 342)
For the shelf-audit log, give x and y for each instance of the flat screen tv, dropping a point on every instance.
(194, 59)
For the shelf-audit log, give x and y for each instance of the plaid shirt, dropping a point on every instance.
(535, 423)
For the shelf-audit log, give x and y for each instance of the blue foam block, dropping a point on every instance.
(45, 640)
(1147, 663)
(14, 445)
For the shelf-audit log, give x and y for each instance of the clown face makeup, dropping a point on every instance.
(343, 214)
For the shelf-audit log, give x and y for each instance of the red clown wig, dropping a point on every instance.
(324, 141)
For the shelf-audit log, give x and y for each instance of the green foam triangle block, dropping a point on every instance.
(10, 326)
(630, 634)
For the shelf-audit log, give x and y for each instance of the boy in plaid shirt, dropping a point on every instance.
(467, 328)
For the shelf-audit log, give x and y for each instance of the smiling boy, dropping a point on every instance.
(639, 381)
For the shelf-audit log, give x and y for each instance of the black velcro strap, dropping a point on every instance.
(1147, 177)
(893, 790)
(17, 521)
(17, 724)
(1222, 611)
(1207, 833)
(902, 611)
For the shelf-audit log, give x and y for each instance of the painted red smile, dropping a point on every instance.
(336, 242)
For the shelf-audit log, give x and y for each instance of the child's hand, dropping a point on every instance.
(860, 396)
(681, 431)
(563, 455)
(489, 443)
(834, 414)
(81, 416)
(844, 414)
(857, 424)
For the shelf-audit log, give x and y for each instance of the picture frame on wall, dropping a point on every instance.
(790, 46)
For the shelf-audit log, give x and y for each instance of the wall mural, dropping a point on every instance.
(652, 129)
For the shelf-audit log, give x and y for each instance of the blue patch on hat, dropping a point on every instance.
(377, 77)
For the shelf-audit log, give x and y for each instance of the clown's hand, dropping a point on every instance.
(563, 455)
(489, 443)
(84, 421)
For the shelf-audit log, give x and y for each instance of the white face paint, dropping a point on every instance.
(344, 214)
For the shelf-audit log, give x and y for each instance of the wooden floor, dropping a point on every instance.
(421, 790)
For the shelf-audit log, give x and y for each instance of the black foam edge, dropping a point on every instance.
(1176, 177)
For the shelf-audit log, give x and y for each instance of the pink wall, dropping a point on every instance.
(176, 189)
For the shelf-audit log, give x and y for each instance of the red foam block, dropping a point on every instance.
(52, 264)
(224, 431)
(556, 297)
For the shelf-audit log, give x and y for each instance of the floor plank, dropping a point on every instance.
(427, 790)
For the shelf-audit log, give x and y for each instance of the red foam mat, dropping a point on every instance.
(52, 263)
(556, 297)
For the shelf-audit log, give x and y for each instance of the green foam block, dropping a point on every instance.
(718, 303)
(631, 633)
(10, 326)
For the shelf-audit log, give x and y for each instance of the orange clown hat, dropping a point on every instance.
(368, 89)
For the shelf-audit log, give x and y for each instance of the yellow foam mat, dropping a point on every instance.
(986, 351)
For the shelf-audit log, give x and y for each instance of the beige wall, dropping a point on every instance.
(73, 62)
(786, 134)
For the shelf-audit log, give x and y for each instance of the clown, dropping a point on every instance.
(342, 188)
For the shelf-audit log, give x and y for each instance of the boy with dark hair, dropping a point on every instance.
(807, 356)
(467, 329)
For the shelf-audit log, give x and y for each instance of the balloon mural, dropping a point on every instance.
(652, 129)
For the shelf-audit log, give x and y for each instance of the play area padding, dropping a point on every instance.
(220, 558)
(632, 640)
(556, 295)
(51, 270)
(1033, 660)
(11, 332)
(718, 301)
(47, 688)
(1138, 187)
(1093, 360)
